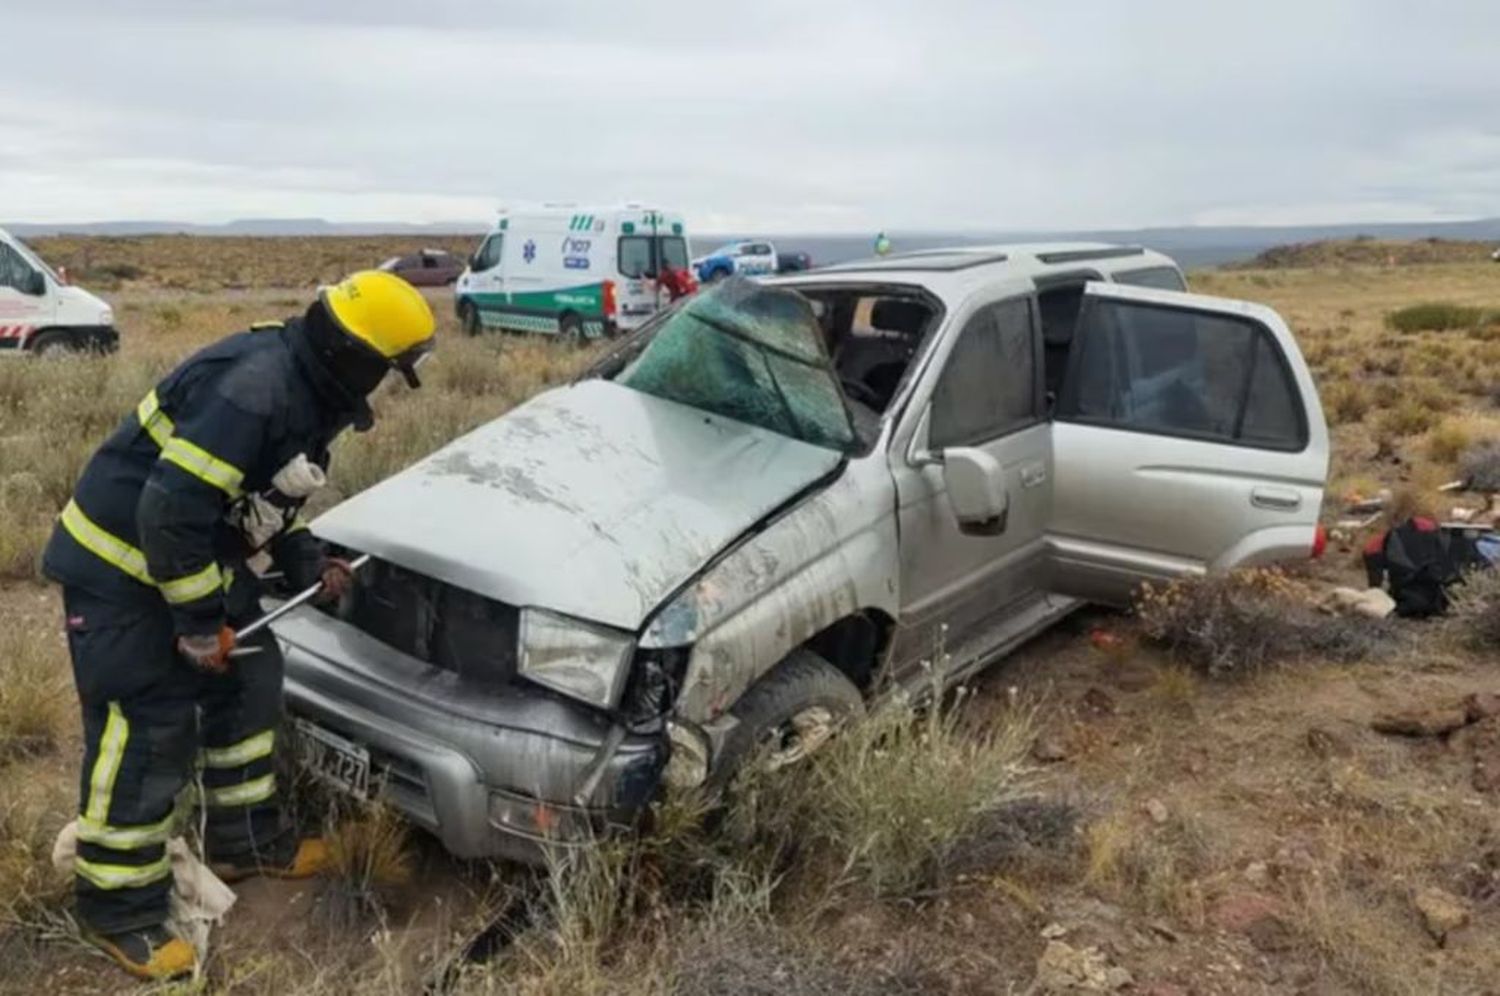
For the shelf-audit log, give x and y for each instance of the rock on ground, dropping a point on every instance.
(1442, 912)
(1063, 968)
(1426, 721)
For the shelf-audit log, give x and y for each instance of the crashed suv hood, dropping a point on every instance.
(593, 500)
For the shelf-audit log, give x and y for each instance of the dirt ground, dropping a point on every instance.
(1253, 835)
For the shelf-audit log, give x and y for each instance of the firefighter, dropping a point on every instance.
(210, 469)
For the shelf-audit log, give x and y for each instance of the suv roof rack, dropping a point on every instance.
(1084, 255)
(944, 261)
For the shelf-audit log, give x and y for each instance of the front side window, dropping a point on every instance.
(988, 387)
(488, 256)
(15, 272)
(1184, 373)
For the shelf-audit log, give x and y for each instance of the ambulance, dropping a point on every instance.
(577, 272)
(40, 314)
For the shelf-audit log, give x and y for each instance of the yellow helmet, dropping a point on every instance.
(385, 314)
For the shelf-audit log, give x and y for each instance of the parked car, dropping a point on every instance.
(40, 314)
(746, 259)
(774, 502)
(793, 262)
(427, 268)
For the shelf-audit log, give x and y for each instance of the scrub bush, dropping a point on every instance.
(1346, 401)
(1243, 622)
(1480, 465)
(898, 799)
(1434, 316)
(1446, 442)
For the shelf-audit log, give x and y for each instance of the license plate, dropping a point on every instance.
(331, 758)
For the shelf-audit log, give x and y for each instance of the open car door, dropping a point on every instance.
(1188, 438)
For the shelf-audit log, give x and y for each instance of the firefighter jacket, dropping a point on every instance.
(152, 516)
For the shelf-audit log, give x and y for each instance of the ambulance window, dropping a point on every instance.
(674, 251)
(15, 272)
(488, 255)
(635, 256)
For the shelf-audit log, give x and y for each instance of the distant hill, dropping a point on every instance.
(1370, 251)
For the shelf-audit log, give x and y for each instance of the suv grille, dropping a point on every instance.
(431, 620)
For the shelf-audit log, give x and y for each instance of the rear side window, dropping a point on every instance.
(1184, 373)
(1160, 277)
(988, 387)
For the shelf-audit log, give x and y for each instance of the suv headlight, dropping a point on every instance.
(580, 659)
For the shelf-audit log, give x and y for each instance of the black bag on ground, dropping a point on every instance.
(1418, 561)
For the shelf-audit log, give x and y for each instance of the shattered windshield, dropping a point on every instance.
(751, 353)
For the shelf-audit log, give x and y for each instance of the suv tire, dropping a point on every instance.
(797, 705)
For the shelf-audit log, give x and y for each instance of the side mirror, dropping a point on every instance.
(36, 284)
(62, 275)
(976, 490)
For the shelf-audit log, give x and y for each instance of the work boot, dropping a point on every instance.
(294, 859)
(151, 953)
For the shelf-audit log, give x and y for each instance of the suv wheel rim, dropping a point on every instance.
(799, 737)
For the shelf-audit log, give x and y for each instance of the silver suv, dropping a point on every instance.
(772, 503)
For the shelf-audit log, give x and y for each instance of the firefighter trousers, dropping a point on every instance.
(151, 722)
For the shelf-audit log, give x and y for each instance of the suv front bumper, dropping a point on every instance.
(491, 772)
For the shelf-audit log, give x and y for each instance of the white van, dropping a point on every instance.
(40, 313)
(574, 271)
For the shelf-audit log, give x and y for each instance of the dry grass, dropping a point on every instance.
(54, 414)
(36, 697)
(900, 805)
(369, 855)
(29, 886)
(1346, 401)
(1155, 868)
(1448, 441)
(897, 798)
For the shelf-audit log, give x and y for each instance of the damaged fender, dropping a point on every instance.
(830, 557)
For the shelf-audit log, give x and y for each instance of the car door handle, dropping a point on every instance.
(1276, 499)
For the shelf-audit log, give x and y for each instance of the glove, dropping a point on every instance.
(338, 578)
(208, 651)
(258, 520)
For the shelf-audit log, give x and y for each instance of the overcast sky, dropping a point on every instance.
(791, 116)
